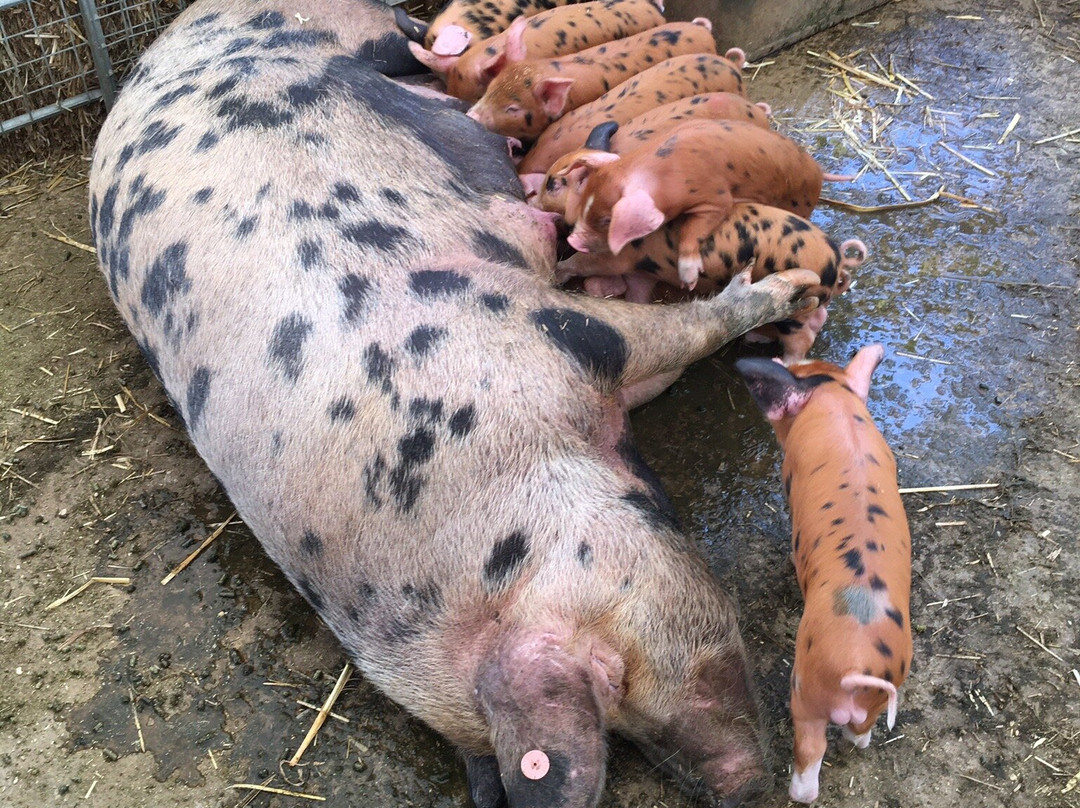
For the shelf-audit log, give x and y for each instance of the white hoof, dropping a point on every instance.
(804, 787)
(690, 271)
(861, 741)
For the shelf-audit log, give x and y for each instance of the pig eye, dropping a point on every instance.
(605, 221)
(512, 109)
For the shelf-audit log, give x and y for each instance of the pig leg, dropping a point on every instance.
(697, 224)
(810, 746)
(643, 392)
(639, 288)
(485, 786)
(611, 286)
(797, 335)
(619, 345)
(852, 733)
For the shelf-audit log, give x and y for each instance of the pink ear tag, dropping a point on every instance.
(535, 764)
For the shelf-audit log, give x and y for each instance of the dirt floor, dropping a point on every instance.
(134, 693)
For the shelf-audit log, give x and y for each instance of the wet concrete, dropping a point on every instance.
(977, 309)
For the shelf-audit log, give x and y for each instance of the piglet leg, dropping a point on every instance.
(697, 224)
(851, 733)
(809, 750)
(618, 345)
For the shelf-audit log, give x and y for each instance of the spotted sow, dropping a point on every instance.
(851, 548)
(340, 287)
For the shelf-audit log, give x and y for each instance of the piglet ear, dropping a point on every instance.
(777, 392)
(552, 94)
(546, 722)
(635, 215)
(432, 61)
(861, 368)
(515, 40)
(492, 67)
(451, 41)
(591, 159)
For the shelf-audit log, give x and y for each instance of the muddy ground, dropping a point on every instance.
(143, 694)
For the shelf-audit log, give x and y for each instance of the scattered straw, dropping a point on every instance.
(914, 203)
(71, 242)
(969, 161)
(982, 783)
(1051, 653)
(284, 792)
(311, 706)
(936, 488)
(324, 711)
(1008, 129)
(34, 415)
(1051, 139)
(84, 587)
(1074, 781)
(923, 358)
(183, 565)
(135, 713)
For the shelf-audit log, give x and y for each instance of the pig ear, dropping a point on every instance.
(861, 368)
(634, 215)
(432, 61)
(776, 391)
(546, 720)
(492, 67)
(451, 41)
(552, 94)
(515, 40)
(591, 159)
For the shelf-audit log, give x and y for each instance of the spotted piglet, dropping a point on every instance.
(851, 548)
(462, 22)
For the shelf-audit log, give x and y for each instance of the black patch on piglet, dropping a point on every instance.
(600, 349)
(506, 559)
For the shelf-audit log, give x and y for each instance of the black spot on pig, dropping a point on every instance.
(310, 593)
(433, 283)
(895, 616)
(373, 477)
(198, 391)
(883, 648)
(245, 227)
(345, 192)
(495, 303)
(299, 38)
(205, 20)
(394, 197)
(657, 517)
(202, 196)
(584, 555)
(828, 276)
(463, 420)
(207, 141)
(311, 544)
(492, 248)
(427, 410)
(244, 113)
(506, 559)
(597, 347)
(380, 366)
(380, 235)
(308, 253)
(853, 561)
(877, 584)
(356, 290)
(286, 350)
(167, 278)
(238, 45)
(172, 96)
(875, 511)
(647, 264)
(424, 339)
(151, 358)
(304, 94)
(342, 409)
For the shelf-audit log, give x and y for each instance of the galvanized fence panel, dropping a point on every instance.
(56, 55)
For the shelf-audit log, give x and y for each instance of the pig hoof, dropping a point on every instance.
(861, 741)
(690, 271)
(804, 787)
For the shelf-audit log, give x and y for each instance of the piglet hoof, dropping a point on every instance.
(804, 787)
(451, 41)
(690, 268)
(861, 741)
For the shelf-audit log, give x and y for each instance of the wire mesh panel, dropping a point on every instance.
(54, 57)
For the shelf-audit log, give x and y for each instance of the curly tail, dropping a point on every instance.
(854, 680)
